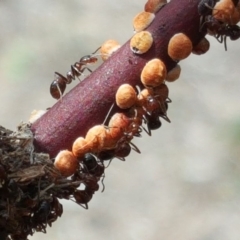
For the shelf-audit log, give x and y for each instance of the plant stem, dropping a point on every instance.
(89, 102)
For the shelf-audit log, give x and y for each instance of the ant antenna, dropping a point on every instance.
(134, 147)
(109, 111)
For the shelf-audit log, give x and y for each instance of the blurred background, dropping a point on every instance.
(185, 184)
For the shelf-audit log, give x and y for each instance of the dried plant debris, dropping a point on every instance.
(30, 187)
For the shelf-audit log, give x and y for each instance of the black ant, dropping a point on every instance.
(205, 7)
(221, 30)
(58, 85)
(90, 181)
(106, 155)
(92, 166)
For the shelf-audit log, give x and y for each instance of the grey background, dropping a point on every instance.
(185, 184)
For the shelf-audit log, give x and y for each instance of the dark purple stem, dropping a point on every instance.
(88, 103)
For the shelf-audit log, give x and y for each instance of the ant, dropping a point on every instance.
(221, 30)
(153, 121)
(82, 197)
(121, 151)
(43, 211)
(90, 181)
(58, 85)
(93, 167)
(205, 7)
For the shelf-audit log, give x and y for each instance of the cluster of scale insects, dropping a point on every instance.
(220, 21)
(140, 109)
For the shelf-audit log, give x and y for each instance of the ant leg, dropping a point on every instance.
(103, 183)
(164, 112)
(219, 38)
(134, 147)
(85, 69)
(59, 90)
(148, 130)
(168, 100)
(75, 72)
(108, 163)
(85, 205)
(42, 192)
(201, 27)
(165, 117)
(225, 42)
(121, 158)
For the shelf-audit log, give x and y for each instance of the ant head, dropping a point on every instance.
(88, 59)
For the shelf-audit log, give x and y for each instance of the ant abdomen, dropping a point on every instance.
(58, 86)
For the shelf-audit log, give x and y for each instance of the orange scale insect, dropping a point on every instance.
(99, 138)
(179, 47)
(154, 6)
(153, 73)
(226, 11)
(142, 20)
(118, 123)
(123, 129)
(126, 96)
(80, 147)
(108, 48)
(66, 163)
(141, 42)
(202, 47)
